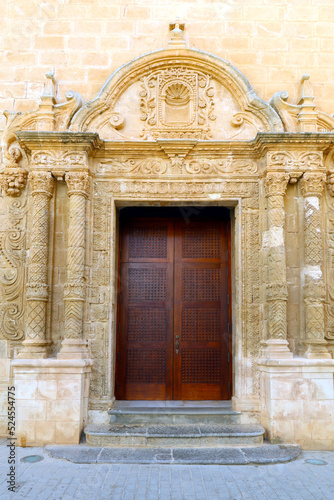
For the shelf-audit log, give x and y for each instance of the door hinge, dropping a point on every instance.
(228, 299)
(228, 357)
(119, 328)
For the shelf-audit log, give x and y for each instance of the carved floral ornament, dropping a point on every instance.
(276, 183)
(313, 183)
(13, 178)
(176, 166)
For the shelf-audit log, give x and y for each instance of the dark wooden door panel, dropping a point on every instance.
(173, 340)
(146, 321)
(201, 311)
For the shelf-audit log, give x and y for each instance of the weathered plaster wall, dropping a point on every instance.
(273, 42)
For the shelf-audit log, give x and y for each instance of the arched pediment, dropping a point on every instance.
(177, 92)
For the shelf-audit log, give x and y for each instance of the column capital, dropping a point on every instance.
(276, 183)
(41, 183)
(77, 183)
(313, 183)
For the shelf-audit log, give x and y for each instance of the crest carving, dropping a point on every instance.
(177, 103)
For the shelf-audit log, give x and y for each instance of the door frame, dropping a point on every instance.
(231, 277)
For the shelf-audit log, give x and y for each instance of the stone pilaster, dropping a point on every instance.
(314, 290)
(276, 345)
(36, 344)
(73, 345)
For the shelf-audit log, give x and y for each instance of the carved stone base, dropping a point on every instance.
(316, 349)
(35, 349)
(275, 349)
(74, 349)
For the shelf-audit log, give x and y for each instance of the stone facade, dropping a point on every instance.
(177, 126)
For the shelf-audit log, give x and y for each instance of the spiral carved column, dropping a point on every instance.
(276, 345)
(73, 345)
(314, 290)
(36, 344)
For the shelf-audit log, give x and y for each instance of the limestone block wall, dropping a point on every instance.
(273, 42)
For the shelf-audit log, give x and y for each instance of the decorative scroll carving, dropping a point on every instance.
(294, 161)
(49, 115)
(177, 103)
(177, 166)
(13, 178)
(12, 251)
(303, 117)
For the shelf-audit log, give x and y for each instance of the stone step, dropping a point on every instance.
(170, 436)
(259, 455)
(139, 415)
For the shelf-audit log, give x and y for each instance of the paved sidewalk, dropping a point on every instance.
(57, 479)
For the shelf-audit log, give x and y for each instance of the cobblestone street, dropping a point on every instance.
(56, 479)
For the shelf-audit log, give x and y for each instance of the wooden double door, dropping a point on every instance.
(173, 333)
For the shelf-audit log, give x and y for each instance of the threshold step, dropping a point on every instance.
(191, 435)
(205, 415)
(260, 455)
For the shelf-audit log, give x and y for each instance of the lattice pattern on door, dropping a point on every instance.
(147, 284)
(201, 242)
(200, 285)
(148, 242)
(146, 366)
(146, 324)
(200, 366)
(200, 325)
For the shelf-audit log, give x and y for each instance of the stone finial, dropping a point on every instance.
(307, 116)
(13, 178)
(49, 86)
(177, 32)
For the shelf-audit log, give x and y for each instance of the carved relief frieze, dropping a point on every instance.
(12, 269)
(290, 161)
(175, 167)
(143, 189)
(59, 162)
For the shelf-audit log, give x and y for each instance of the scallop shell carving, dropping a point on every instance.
(177, 94)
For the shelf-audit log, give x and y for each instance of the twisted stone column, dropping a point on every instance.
(73, 345)
(36, 344)
(276, 345)
(314, 289)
